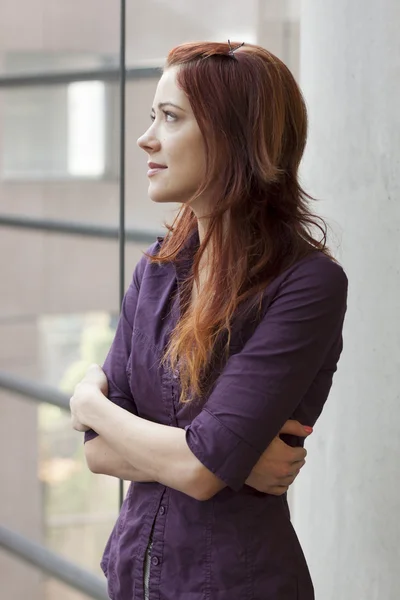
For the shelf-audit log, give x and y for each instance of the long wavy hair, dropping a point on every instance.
(253, 119)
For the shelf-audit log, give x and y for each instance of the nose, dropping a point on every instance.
(148, 141)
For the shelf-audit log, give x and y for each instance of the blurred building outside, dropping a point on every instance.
(59, 302)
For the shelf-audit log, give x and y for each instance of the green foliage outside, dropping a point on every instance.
(71, 491)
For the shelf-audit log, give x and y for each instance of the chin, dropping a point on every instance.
(161, 196)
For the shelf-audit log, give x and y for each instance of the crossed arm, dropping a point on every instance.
(135, 449)
(297, 343)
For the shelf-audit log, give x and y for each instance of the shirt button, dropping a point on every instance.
(155, 561)
(162, 510)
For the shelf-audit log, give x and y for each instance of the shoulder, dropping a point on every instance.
(319, 270)
(313, 279)
(144, 263)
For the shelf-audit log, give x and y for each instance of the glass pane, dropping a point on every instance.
(80, 508)
(57, 131)
(60, 300)
(35, 133)
(167, 23)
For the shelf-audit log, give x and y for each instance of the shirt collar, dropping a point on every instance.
(185, 256)
(190, 246)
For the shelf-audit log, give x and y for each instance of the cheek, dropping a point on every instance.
(194, 160)
(192, 170)
(200, 158)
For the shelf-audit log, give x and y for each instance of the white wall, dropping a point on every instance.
(347, 501)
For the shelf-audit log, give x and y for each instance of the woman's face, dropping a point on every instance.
(174, 144)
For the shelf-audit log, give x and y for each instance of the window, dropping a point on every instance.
(58, 131)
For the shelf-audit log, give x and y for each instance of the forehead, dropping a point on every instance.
(168, 90)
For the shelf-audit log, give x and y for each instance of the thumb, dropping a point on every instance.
(295, 428)
(93, 368)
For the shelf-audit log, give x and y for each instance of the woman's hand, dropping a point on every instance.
(96, 376)
(94, 384)
(280, 464)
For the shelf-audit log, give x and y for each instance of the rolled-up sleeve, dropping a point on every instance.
(262, 385)
(116, 364)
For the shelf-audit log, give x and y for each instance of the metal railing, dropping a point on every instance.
(32, 390)
(53, 564)
(20, 546)
(82, 229)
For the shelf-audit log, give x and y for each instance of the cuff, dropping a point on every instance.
(220, 450)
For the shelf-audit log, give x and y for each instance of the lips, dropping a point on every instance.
(155, 168)
(153, 165)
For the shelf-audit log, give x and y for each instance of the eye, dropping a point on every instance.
(169, 116)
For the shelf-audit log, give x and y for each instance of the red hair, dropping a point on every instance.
(253, 119)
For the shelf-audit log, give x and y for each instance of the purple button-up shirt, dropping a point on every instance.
(240, 544)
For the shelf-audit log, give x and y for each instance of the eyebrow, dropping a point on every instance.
(164, 104)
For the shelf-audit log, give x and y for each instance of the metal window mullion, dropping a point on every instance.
(122, 71)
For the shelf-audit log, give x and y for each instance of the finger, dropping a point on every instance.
(286, 481)
(287, 475)
(292, 471)
(93, 371)
(296, 466)
(79, 426)
(94, 367)
(297, 454)
(295, 428)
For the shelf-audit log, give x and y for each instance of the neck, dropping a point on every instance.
(202, 225)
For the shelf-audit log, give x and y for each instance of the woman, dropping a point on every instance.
(232, 325)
